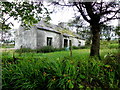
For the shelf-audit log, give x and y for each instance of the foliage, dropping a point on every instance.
(117, 30)
(106, 31)
(27, 12)
(88, 42)
(23, 50)
(7, 45)
(80, 47)
(113, 44)
(59, 71)
(80, 27)
(74, 47)
(47, 49)
(96, 14)
(44, 49)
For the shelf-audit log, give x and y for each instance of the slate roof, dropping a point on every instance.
(48, 29)
(54, 28)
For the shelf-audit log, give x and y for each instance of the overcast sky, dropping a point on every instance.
(62, 15)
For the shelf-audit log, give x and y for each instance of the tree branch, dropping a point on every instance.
(57, 3)
(7, 19)
(89, 9)
(107, 12)
(108, 19)
(101, 6)
(82, 13)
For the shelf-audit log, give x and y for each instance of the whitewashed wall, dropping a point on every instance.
(42, 38)
(26, 39)
(36, 38)
(75, 42)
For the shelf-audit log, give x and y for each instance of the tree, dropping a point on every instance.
(28, 13)
(81, 28)
(77, 23)
(106, 31)
(117, 31)
(96, 14)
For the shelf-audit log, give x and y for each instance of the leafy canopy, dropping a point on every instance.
(26, 12)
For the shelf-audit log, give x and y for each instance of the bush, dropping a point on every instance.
(59, 49)
(80, 47)
(23, 50)
(75, 47)
(45, 49)
(88, 42)
(112, 61)
(111, 46)
(84, 47)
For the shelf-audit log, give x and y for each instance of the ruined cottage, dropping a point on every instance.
(41, 35)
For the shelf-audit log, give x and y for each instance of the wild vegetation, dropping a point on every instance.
(29, 13)
(26, 69)
(57, 70)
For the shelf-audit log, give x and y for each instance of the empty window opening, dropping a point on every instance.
(65, 42)
(49, 41)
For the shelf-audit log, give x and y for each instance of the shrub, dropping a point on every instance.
(45, 49)
(88, 42)
(59, 49)
(80, 47)
(23, 50)
(111, 46)
(84, 47)
(112, 62)
(75, 47)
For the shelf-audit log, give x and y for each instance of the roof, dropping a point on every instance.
(56, 29)
(48, 29)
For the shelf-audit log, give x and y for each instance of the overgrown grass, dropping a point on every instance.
(109, 44)
(57, 70)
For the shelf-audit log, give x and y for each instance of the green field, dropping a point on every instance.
(57, 70)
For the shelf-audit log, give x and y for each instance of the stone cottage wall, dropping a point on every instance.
(37, 38)
(75, 42)
(42, 38)
(26, 39)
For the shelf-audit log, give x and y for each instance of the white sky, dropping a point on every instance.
(60, 16)
(63, 16)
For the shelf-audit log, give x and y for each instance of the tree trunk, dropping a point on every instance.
(95, 47)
